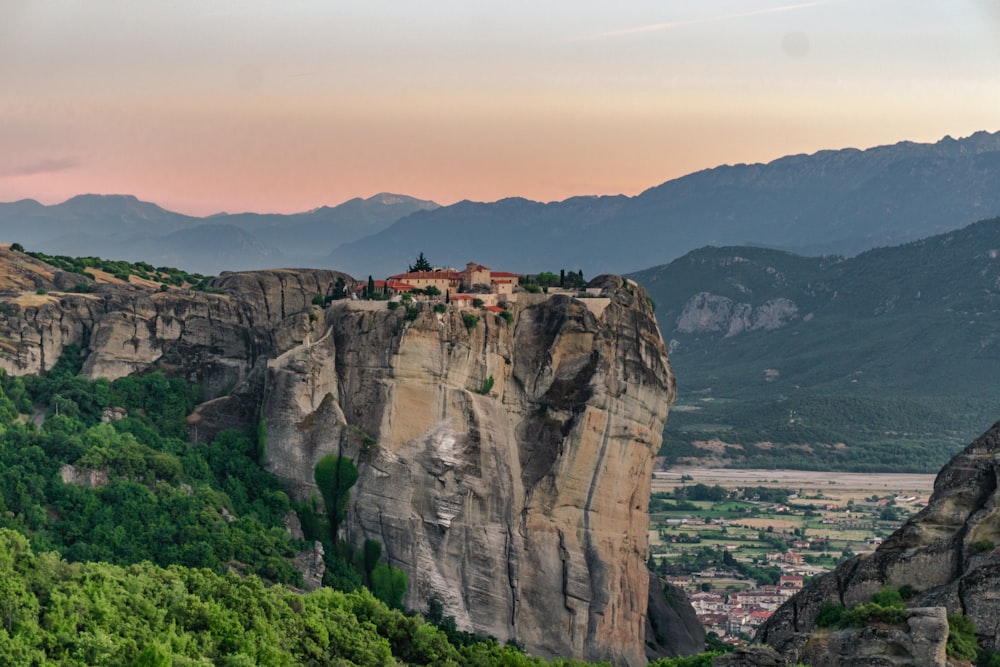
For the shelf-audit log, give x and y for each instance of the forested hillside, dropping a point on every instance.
(146, 493)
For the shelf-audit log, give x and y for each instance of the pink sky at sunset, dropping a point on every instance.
(286, 106)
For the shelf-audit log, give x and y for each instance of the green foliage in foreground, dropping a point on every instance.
(95, 614)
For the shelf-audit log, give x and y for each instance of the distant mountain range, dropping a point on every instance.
(841, 202)
(894, 353)
(831, 202)
(122, 227)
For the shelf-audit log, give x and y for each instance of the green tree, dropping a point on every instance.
(339, 289)
(389, 585)
(370, 554)
(370, 290)
(335, 475)
(421, 264)
(547, 279)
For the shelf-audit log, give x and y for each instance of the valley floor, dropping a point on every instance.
(831, 483)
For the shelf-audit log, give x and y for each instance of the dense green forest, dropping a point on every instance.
(179, 555)
(165, 501)
(886, 433)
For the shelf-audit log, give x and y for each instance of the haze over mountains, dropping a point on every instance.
(122, 227)
(831, 202)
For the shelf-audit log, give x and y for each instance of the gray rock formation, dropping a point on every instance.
(751, 656)
(920, 643)
(94, 478)
(711, 313)
(947, 553)
(672, 627)
(310, 563)
(522, 507)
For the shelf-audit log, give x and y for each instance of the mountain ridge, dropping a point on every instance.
(829, 202)
(833, 201)
(125, 227)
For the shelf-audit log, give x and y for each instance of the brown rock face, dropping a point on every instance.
(209, 338)
(521, 505)
(947, 553)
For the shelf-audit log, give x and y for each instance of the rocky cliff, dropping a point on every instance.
(947, 553)
(504, 465)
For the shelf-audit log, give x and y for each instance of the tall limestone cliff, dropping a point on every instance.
(504, 465)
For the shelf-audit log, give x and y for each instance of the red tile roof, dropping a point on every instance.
(392, 284)
(439, 275)
(495, 309)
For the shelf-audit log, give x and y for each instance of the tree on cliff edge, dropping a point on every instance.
(421, 264)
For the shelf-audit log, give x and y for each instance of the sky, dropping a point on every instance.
(205, 106)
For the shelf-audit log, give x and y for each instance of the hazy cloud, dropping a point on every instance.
(37, 168)
(670, 25)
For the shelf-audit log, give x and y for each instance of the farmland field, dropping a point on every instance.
(838, 485)
(766, 521)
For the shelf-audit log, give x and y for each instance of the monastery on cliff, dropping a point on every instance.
(449, 280)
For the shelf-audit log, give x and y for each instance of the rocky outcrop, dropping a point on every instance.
(672, 627)
(212, 338)
(505, 466)
(519, 504)
(947, 553)
(920, 642)
(312, 566)
(711, 313)
(93, 478)
(751, 656)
